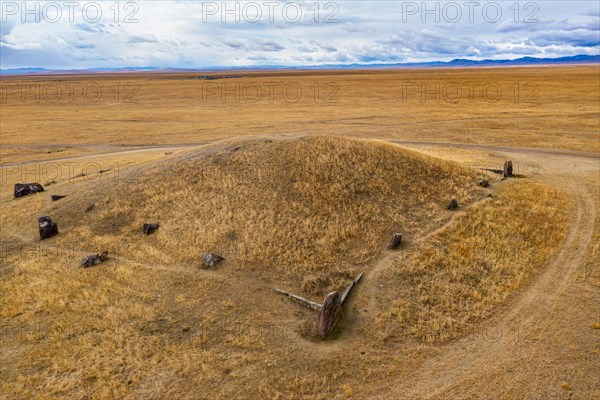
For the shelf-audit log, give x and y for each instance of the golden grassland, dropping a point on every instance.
(292, 199)
(536, 107)
(459, 274)
(302, 212)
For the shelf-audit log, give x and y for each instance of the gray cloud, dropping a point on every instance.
(174, 34)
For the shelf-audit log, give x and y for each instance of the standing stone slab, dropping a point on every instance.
(395, 242)
(507, 171)
(331, 312)
(453, 204)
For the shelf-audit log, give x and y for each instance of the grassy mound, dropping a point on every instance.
(313, 210)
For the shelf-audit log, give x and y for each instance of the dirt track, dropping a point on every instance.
(543, 331)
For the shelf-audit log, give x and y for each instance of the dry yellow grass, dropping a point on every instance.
(302, 212)
(537, 107)
(299, 211)
(459, 275)
(314, 209)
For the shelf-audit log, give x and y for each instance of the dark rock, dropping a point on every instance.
(396, 241)
(210, 259)
(25, 189)
(330, 314)
(150, 228)
(483, 183)
(94, 259)
(90, 208)
(507, 171)
(453, 204)
(56, 197)
(47, 228)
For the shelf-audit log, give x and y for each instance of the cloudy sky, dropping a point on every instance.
(190, 34)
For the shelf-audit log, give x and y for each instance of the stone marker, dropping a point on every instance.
(453, 204)
(150, 228)
(94, 259)
(56, 197)
(210, 259)
(396, 241)
(507, 171)
(25, 189)
(47, 228)
(483, 183)
(331, 312)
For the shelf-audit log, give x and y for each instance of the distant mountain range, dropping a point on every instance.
(579, 59)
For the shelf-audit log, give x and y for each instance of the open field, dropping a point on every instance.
(498, 297)
(534, 107)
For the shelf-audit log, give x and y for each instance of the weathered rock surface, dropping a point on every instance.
(94, 259)
(453, 204)
(395, 242)
(25, 189)
(48, 228)
(150, 228)
(331, 312)
(507, 171)
(210, 259)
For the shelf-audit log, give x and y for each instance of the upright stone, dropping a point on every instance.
(331, 312)
(507, 171)
(47, 228)
(453, 204)
(396, 241)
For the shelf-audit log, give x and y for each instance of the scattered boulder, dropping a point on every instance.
(90, 208)
(396, 241)
(56, 197)
(453, 204)
(25, 189)
(48, 228)
(94, 259)
(331, 312)
(483, 183)
(150, 228)
(210, 259)
(507, 171)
